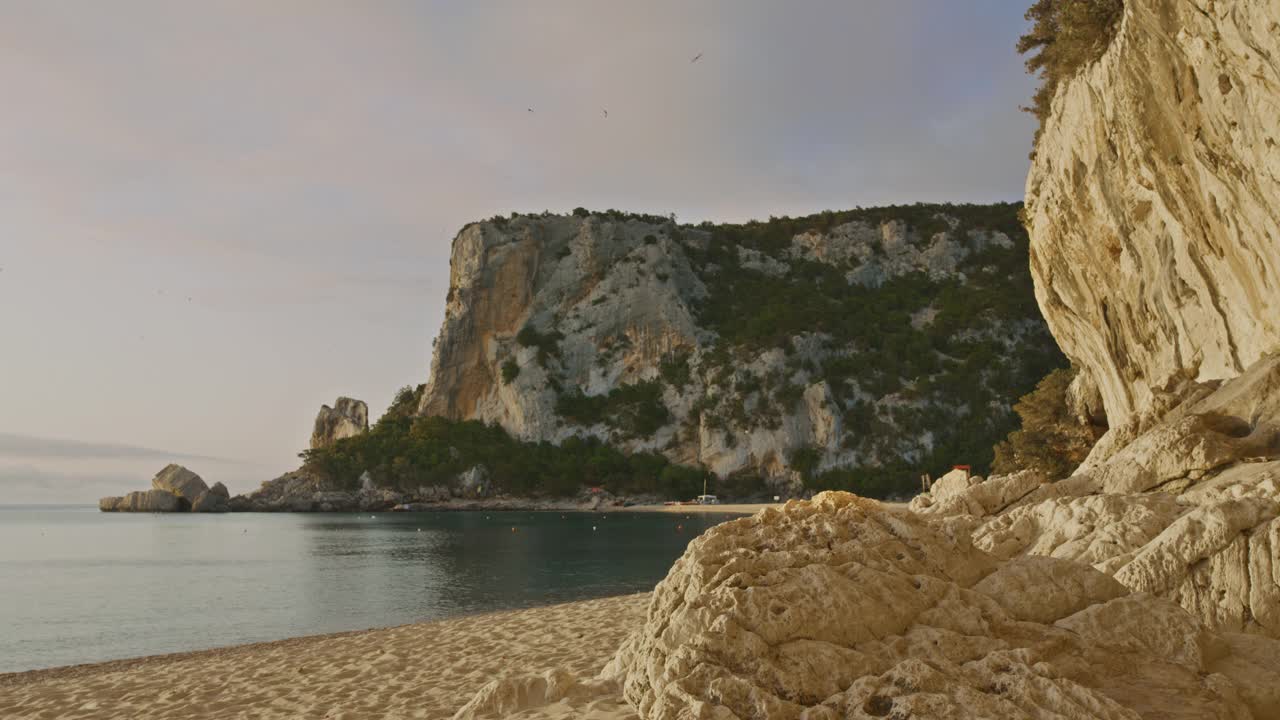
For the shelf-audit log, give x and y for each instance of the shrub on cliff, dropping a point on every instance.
(634, 410)
(1051, 439)
(1065, 36)
(510, 371)
(405, 404)
(548, 344)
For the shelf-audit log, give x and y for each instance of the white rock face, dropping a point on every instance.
(1152, 202)
(345, 419)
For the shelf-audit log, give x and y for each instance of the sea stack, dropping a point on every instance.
(348, 417)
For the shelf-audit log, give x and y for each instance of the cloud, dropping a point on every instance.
(25, 446)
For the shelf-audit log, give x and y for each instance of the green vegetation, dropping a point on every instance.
(1051, 439)
(510, 371)
(407, 453)
(1065, 37)
(675, 370)
(548, 344)
(952, 378)
(633, 411)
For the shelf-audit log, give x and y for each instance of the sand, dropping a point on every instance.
(425, 670)
(729, 509)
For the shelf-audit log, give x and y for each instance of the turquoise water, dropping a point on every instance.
(77, 585)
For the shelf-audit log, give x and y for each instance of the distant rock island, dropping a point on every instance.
(173, 489)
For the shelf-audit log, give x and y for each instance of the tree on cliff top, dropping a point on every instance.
(1051, 440)
(1066, 36)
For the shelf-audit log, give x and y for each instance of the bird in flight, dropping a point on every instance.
(696, 58)
(606, 113)
(529, 109)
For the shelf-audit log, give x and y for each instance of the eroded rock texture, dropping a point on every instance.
(842, 608)
(1152, 202)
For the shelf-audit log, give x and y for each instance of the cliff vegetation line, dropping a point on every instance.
(1065, 36)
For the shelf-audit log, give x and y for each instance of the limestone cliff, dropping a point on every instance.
(1152, 203)
(866, 339)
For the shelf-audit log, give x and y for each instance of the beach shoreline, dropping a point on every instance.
(420, 670)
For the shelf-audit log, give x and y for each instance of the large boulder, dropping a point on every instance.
(216, 499)
(840, 607)
(181, 482)
(347, 418)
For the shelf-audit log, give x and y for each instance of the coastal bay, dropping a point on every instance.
(83, 586)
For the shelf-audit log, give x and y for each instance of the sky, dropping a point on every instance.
(216, 216)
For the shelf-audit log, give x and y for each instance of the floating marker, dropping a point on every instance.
(593, 528)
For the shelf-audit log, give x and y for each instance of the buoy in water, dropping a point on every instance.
(513, 529)
(679, 528)
(593, 528)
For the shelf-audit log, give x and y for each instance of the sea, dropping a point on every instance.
(81, 586)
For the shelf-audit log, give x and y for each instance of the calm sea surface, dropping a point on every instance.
(77, 585)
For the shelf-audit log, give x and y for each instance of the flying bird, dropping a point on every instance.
(529, 109)
(606, 112)
(696, 58)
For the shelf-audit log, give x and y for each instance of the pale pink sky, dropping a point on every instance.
(216, 216)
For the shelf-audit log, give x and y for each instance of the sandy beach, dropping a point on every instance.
(730, 509)
(424, 670)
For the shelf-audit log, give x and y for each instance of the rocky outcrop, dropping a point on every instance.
(174, 489)
(842, 608)
(1151, 203)
(215, 499)
(142, 501)
(181, 482)
(547, 314)
(1188, 510)
(345, 419)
